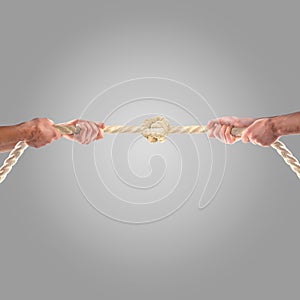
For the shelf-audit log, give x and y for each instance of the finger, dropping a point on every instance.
(57, 135)
(100, 134)
(227, 120)
(223, 120)
(227, 134)
(95, 130)
(89, 133)
(92, 132)
(210, 133)
(230, 139)
(68, 136)
(211, 124)
(232, 121)
(215, 132)
(245, 137)
(219, 133)
(72, 122)
(254, 142)
(81, 136)
(100, 125)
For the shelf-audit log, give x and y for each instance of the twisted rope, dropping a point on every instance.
(12, 159)
(155, 130)
(287, 155)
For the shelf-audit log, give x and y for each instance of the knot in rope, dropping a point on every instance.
(156, 129)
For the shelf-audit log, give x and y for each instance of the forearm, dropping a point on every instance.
(286, 124)
(7, 148)
(10, 135)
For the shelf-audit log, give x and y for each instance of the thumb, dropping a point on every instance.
(100, 134)
(73, 122)
(100, 125)
(245, 137)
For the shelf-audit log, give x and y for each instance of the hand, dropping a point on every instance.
(221, 128)
(261, 133)
(89, 131)
(40, 132)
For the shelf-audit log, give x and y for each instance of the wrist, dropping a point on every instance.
(277, 125)
(25, 131)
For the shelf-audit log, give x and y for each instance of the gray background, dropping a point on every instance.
(243, 56)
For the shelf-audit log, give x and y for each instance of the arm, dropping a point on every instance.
(40, 132)
(36, 133)
(286, 124)
(10, 135)
(262, 131)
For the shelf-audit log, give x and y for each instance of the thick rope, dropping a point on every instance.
(288, 157)
(155, 130)
(12, 159)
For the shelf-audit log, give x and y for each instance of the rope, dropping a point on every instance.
(155, 130)
(288, 157)
(12, 159)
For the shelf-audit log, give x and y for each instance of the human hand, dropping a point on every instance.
(40, 132)
(221, 128)
(89, 131)
(261, 132)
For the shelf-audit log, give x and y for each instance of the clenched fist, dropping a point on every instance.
(40, 132)
(89, 131)
(221, 128)
(260, 132)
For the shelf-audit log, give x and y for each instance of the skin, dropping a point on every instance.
(262, 131)
(90, 131)
(40, 132)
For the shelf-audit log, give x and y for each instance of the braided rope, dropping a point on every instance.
(288, 157)
(155, 130)
(12, 159)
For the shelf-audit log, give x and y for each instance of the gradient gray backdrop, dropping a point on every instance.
(243, 56)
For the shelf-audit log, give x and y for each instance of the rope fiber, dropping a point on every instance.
(155, 130)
